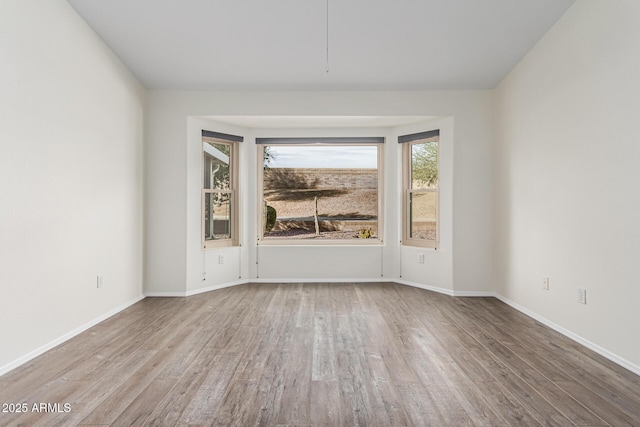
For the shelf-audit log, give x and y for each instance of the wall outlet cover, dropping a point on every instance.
(582, 296)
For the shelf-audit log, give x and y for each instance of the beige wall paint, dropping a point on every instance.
(71, 133)
(567, 204)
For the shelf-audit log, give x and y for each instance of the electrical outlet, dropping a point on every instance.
(420, 258)
(99, 281)
(545, 283)
(582, 296)
(220, 259)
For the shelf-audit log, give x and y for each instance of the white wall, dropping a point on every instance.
(437, 270)
(203, 269)
(567, 204)
(165, 202)
(71, 132)
(173, 260)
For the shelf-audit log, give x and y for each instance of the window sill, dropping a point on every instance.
(420, 244)
(219, 244)
(321, 242)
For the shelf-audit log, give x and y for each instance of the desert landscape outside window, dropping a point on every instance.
(321, 191)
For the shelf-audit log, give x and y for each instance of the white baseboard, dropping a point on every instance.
(195, 291)
(37, 352)
(445, 291)
(165, 294)
(215, 287)
(426, 287)
(575, 337)
(476, 294)
(331, 280)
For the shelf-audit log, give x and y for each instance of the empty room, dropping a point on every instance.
(319, 213)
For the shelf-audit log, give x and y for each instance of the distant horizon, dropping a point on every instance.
(324, 157)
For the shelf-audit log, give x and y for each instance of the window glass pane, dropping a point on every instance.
(217, 216)
(321, 156)
(422, 213)
(216, 166)
(424, 165)
(337, 186)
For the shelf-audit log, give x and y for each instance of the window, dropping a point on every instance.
(420, 183)
(321, 190)
(219, 198)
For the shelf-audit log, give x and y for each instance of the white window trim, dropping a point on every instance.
(406, 191)
(234, 240)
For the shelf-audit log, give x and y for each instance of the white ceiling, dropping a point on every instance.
(282, 44)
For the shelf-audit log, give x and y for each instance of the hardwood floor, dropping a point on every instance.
(322, 354)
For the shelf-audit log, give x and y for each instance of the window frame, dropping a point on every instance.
(407, 192)
(234, 229)
(332, 142)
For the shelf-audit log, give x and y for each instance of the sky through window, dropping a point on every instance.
(356, 157)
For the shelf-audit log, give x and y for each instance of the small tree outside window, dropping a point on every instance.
(420, 160)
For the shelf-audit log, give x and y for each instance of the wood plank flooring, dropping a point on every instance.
(370, 354)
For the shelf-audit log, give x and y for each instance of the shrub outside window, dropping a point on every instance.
(421, 189)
